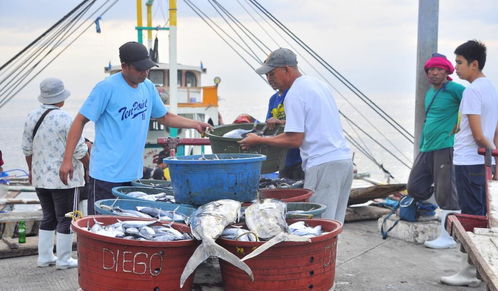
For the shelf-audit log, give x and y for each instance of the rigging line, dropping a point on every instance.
(338, 75)
(26, 71)
(376, 128)
(252, 54)
(61, 34)
(220, 28)
(260, 26)
(244, 29)
(350, 139)
(42, 35)
(358, 146)
(348, 84)
(191, 5)
(345, 99)
(372, 107)
(368, 135)
(318, 62)
(66, 47)
(20, 57)
(363, 148)
(381, 166)
(360, 140)
(161, 9)
(27, 60)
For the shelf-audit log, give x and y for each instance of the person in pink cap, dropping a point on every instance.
(432, 171)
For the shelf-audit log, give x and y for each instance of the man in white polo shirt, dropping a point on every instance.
(314, 126)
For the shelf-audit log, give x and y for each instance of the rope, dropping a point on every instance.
(62, 37)
(336, 74)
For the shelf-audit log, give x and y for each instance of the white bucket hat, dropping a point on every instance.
(52, 91)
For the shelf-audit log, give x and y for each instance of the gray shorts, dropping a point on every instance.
(331, 183)
(433, 172)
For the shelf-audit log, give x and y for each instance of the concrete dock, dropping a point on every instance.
(364, 262)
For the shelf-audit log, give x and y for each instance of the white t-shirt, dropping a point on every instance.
(479, 98)
(310, 108)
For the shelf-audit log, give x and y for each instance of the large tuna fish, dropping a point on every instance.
(207, 223)
(267, 220)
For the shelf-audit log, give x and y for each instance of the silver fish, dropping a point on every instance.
(237, 233)
(162, 214)
(207, 223)
(237, 133)
(267, 220)
(301, 229)
(136, 194)
(128, 212)
(137, 223)
(147, 232)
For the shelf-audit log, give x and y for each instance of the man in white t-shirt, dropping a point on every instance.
(314, 126)
(478, 129)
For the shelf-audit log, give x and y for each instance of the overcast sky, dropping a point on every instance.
(371, 42)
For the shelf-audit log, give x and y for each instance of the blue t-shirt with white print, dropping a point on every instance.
(121, 115)
(276, 110)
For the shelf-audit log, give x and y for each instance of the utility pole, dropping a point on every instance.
(428, 18)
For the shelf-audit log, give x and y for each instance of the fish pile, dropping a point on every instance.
(207, 224)
(297, 228)
(267, 220)
(162, 197)
(301, 229)
(280, 183)
(147, 212)
(138, 230)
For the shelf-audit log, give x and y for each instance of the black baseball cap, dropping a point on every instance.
(136, 54)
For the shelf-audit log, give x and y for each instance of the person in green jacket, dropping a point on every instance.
(432, 171)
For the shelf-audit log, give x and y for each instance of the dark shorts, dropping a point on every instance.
(55, 204)
(433, 173)
(99, 190)
(471, 186)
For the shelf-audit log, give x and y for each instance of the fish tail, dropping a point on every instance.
(206, 250)
(275, 240)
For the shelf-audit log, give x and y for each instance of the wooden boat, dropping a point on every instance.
(362, 192)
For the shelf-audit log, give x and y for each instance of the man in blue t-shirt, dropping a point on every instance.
(121, 107)
(276, 115)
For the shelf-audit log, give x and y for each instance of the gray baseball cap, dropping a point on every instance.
(281, 57)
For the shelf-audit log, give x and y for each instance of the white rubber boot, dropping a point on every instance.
(64, 249)
(83, 207)
(444, 240)
(46, 248)
(465, 277)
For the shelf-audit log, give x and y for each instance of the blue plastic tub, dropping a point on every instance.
(122, 192)
(198, 181)
(128, 204)
(152, 183)
(305, 210)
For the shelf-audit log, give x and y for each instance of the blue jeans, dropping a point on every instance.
(471, 187)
